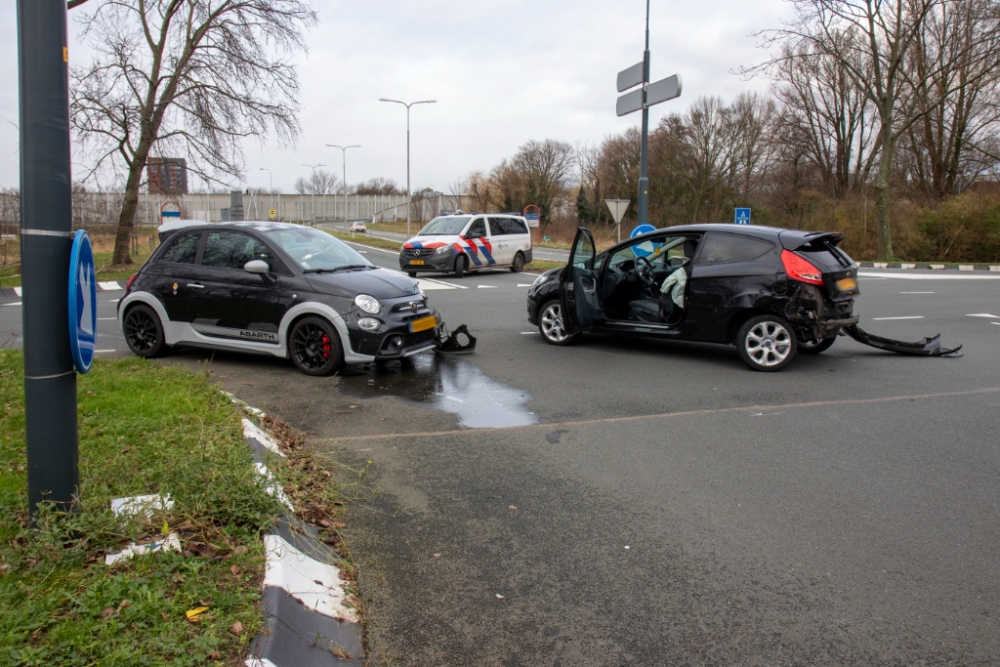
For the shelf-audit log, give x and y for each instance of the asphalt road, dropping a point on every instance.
(658, 503)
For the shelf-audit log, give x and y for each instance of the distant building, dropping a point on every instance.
(167, 175)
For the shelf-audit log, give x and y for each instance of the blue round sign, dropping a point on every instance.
(648, 247)
(82, 302)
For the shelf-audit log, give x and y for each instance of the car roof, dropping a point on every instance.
(790, 238)
(255, 225)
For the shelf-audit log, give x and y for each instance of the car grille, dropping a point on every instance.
(417, 253)
(409, 340)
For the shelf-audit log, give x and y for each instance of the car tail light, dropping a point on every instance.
(128, 285)
(801, 269)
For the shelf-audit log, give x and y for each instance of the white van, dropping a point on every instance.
(468, 242)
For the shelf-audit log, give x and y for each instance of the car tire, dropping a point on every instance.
(412, 274)
(766, 343)
(809, 347)
(314, 346)
(461, 264)
(518, 264)
(144, 332)
(551, 324)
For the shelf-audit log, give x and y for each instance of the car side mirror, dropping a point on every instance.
(257, 266)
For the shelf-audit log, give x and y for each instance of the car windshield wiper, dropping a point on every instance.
(339, 268)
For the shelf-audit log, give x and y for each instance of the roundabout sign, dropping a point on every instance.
(646, 248)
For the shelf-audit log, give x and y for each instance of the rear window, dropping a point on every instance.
(182, 250)
(825, 255)
(732, 248)
(500, 225)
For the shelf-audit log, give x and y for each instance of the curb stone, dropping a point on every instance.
(929, 267)
(307, 622)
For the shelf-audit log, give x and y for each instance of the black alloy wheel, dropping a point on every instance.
(461, 264)
(518, 264)
(144, 332)
(314, 346)
(810, 347)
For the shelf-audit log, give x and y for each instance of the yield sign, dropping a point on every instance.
(617, 208)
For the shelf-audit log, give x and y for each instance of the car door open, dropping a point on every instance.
(580, 302)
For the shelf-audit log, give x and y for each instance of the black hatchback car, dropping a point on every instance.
(771, 292)
(273, 288)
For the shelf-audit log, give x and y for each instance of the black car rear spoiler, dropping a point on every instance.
(928, 347)
(793, 240)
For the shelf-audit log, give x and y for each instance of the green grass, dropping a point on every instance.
(365, 239)
(543, 265)
(10, 276)
(143, 429)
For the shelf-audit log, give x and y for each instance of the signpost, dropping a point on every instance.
(618, 208)
(82, 302)
(643, 98)
(742, 216)
(535, 218)
(46, 247)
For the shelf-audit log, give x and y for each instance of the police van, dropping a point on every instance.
(468, 242)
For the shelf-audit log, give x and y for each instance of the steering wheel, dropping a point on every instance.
(645, 272)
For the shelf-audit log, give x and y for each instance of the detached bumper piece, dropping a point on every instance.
(928, 347)
(458, 342)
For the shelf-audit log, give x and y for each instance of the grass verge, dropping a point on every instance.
(144, 429)
(10, 276)
(365, 239)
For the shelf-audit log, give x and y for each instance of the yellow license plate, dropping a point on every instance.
(416, 262)
(423, 324)
(847, 284)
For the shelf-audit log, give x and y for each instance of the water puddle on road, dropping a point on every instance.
(448, 384)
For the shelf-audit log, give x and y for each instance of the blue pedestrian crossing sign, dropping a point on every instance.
(742, 216)
(82, 302)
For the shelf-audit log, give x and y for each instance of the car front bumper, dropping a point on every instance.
(395, 338)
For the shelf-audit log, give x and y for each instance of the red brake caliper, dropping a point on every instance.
(326, 346)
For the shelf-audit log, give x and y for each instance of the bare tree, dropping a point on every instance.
(457, 190)
(753, 117)
(184, 76)
(379, 185)
(321, 182)
(883, 34)
(544, 168)
(480, 191)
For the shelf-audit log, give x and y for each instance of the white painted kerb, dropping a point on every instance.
(316, 585)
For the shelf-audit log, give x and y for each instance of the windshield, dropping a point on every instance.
(450, 226)
(316, 251)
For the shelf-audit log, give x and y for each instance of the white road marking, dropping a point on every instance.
(114, 300)
(996, 323)
(995, 317)
(907, 317)
(371, 247)
(362, 252)
(924, 276)
(524, 284)
(486, 286)
(99, 351)
(441, 282)
(16, 303)
(110, 285)
(428, 285)
(916, 292)
(107, 318)
(527, 333)
(17, 291)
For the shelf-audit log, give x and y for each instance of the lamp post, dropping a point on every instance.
(382, 99)
(343, 150)
(313, 167)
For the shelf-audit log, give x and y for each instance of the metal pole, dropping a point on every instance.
(409, 196)
(46, 231)
(644, 162)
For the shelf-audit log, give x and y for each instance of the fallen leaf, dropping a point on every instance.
(205, 603)
(90, 393)
(193, 614)
(107, 611)
(337, 653)
(237, 628)
(499, 597)
(214, 655)
(235, 570)
(240, 550)
(165, 616)
(513, 507)
(437, 555)
(125, 603)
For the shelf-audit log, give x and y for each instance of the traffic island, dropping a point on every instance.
(174, 537)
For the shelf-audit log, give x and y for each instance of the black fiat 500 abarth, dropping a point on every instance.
(273, 288)
(772, 292)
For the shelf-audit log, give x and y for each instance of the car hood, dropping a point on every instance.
(431, 241)
(379, 283)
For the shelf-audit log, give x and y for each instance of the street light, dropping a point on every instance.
(382, 99)
(343, 150)
(313, 167)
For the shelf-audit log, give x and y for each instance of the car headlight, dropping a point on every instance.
(423, 295)
(540, 279)
(442, 250)
(367, 303)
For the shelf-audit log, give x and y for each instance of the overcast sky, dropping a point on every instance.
(503, 72)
